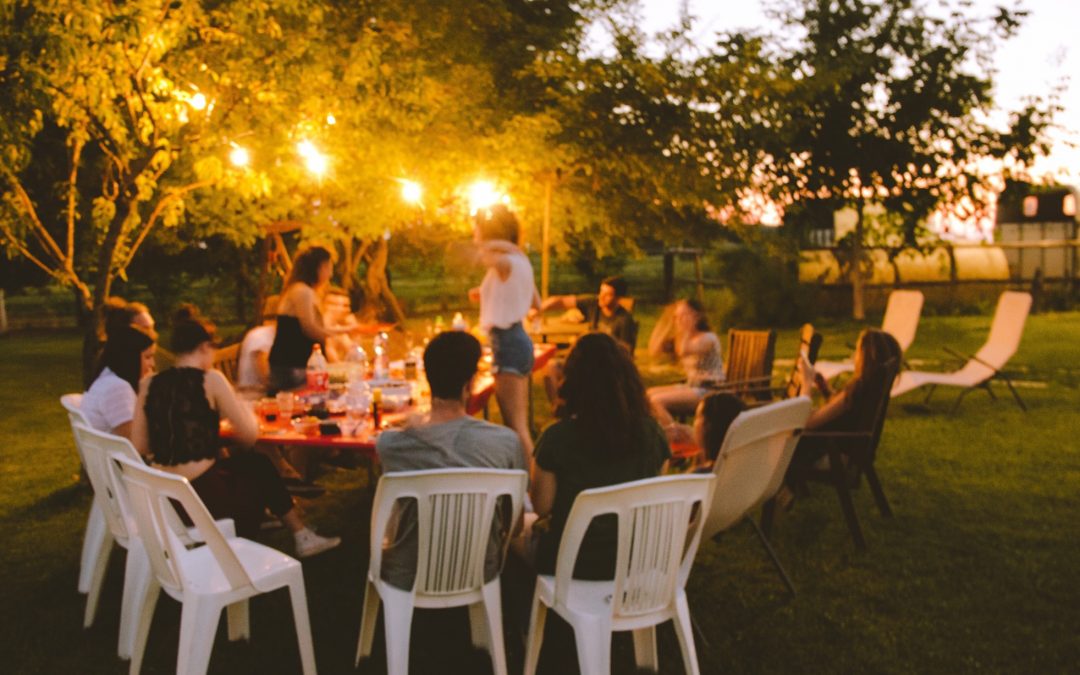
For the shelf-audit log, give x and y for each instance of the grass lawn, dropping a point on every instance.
(977, 571)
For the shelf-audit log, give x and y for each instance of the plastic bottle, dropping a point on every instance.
(382, 357)
(357, 359)
(458, 322)
(318, 375)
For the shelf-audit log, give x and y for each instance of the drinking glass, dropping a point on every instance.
(286, 401)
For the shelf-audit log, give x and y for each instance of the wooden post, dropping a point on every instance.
(545, 241)
(700, 277)
(669, 276)
(3, 312)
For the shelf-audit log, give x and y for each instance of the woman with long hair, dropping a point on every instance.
(698, 349)
(299, 320)
(604, 435)
(177, 423)
(109, 403)
(877, 359)
(506, 295)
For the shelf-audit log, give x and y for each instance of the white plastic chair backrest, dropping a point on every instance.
(1006, 330)
(149, 491)
(654, 553)
(753, 459)
(902, 316)
(454, 513)
(96, 447)
(73, 405)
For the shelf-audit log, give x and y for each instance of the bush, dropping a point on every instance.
(762, 288)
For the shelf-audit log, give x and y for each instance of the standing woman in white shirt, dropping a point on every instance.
(506, 294)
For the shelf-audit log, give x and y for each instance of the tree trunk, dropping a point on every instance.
(379, 300)
(858, 310)
(94, 327)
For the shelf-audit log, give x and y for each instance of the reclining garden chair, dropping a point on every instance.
(901, 321)
(986, 364)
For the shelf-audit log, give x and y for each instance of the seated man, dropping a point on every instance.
(603, 313)
(447, 438)
(337, 313)
(253, 364)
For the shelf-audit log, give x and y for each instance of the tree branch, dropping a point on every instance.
(36, 226)
(76, 156)
(156, 213)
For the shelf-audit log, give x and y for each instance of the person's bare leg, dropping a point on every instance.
(512, 393)
(676, 399)
(553, 377)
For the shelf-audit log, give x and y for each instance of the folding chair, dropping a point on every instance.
(750, 467)
(901, 321)
(659, 523)
(454, 514)
(985, 365)
(851, 454)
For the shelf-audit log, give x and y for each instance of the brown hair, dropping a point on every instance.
(498, 222)
(603, 392)
(123, 352)
(306, 266)
(191, 329)
(718, 410)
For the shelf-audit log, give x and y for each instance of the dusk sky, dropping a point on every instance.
(1033, 63)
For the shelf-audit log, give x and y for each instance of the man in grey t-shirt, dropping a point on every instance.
(448, 438)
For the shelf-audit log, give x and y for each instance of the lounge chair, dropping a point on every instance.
(986, 364)
(901, 320)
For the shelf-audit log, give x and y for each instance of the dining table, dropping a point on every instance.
(362, 443)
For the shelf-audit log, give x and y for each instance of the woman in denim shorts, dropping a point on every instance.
(506, 295)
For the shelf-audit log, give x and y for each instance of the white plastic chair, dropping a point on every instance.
(901, 321)
(454, 510)
(96, 448)
(653, 560)
(1005, 333)
(96, 529)
(223, 574)
(751, 464)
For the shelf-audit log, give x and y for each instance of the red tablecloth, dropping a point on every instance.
(277, 434)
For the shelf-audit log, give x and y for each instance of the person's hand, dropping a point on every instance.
(474, 294)
(532, 313)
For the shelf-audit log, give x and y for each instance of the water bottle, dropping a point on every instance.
(458, 322)
(382, 357)
(318, 375)
(357, 359)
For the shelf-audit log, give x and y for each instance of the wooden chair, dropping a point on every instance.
(227, 360)
(748, 371)
(851, 454)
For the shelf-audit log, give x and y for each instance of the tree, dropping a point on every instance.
(116, 89)
(889, 102)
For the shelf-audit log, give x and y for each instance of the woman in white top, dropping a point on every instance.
(506, 294)
(109, 403)
(698, 349)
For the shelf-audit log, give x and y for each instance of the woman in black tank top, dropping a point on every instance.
(177, 426)
(299, 322)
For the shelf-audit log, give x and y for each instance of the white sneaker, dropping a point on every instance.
(308, 543)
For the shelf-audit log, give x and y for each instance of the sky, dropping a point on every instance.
(1044, 52)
